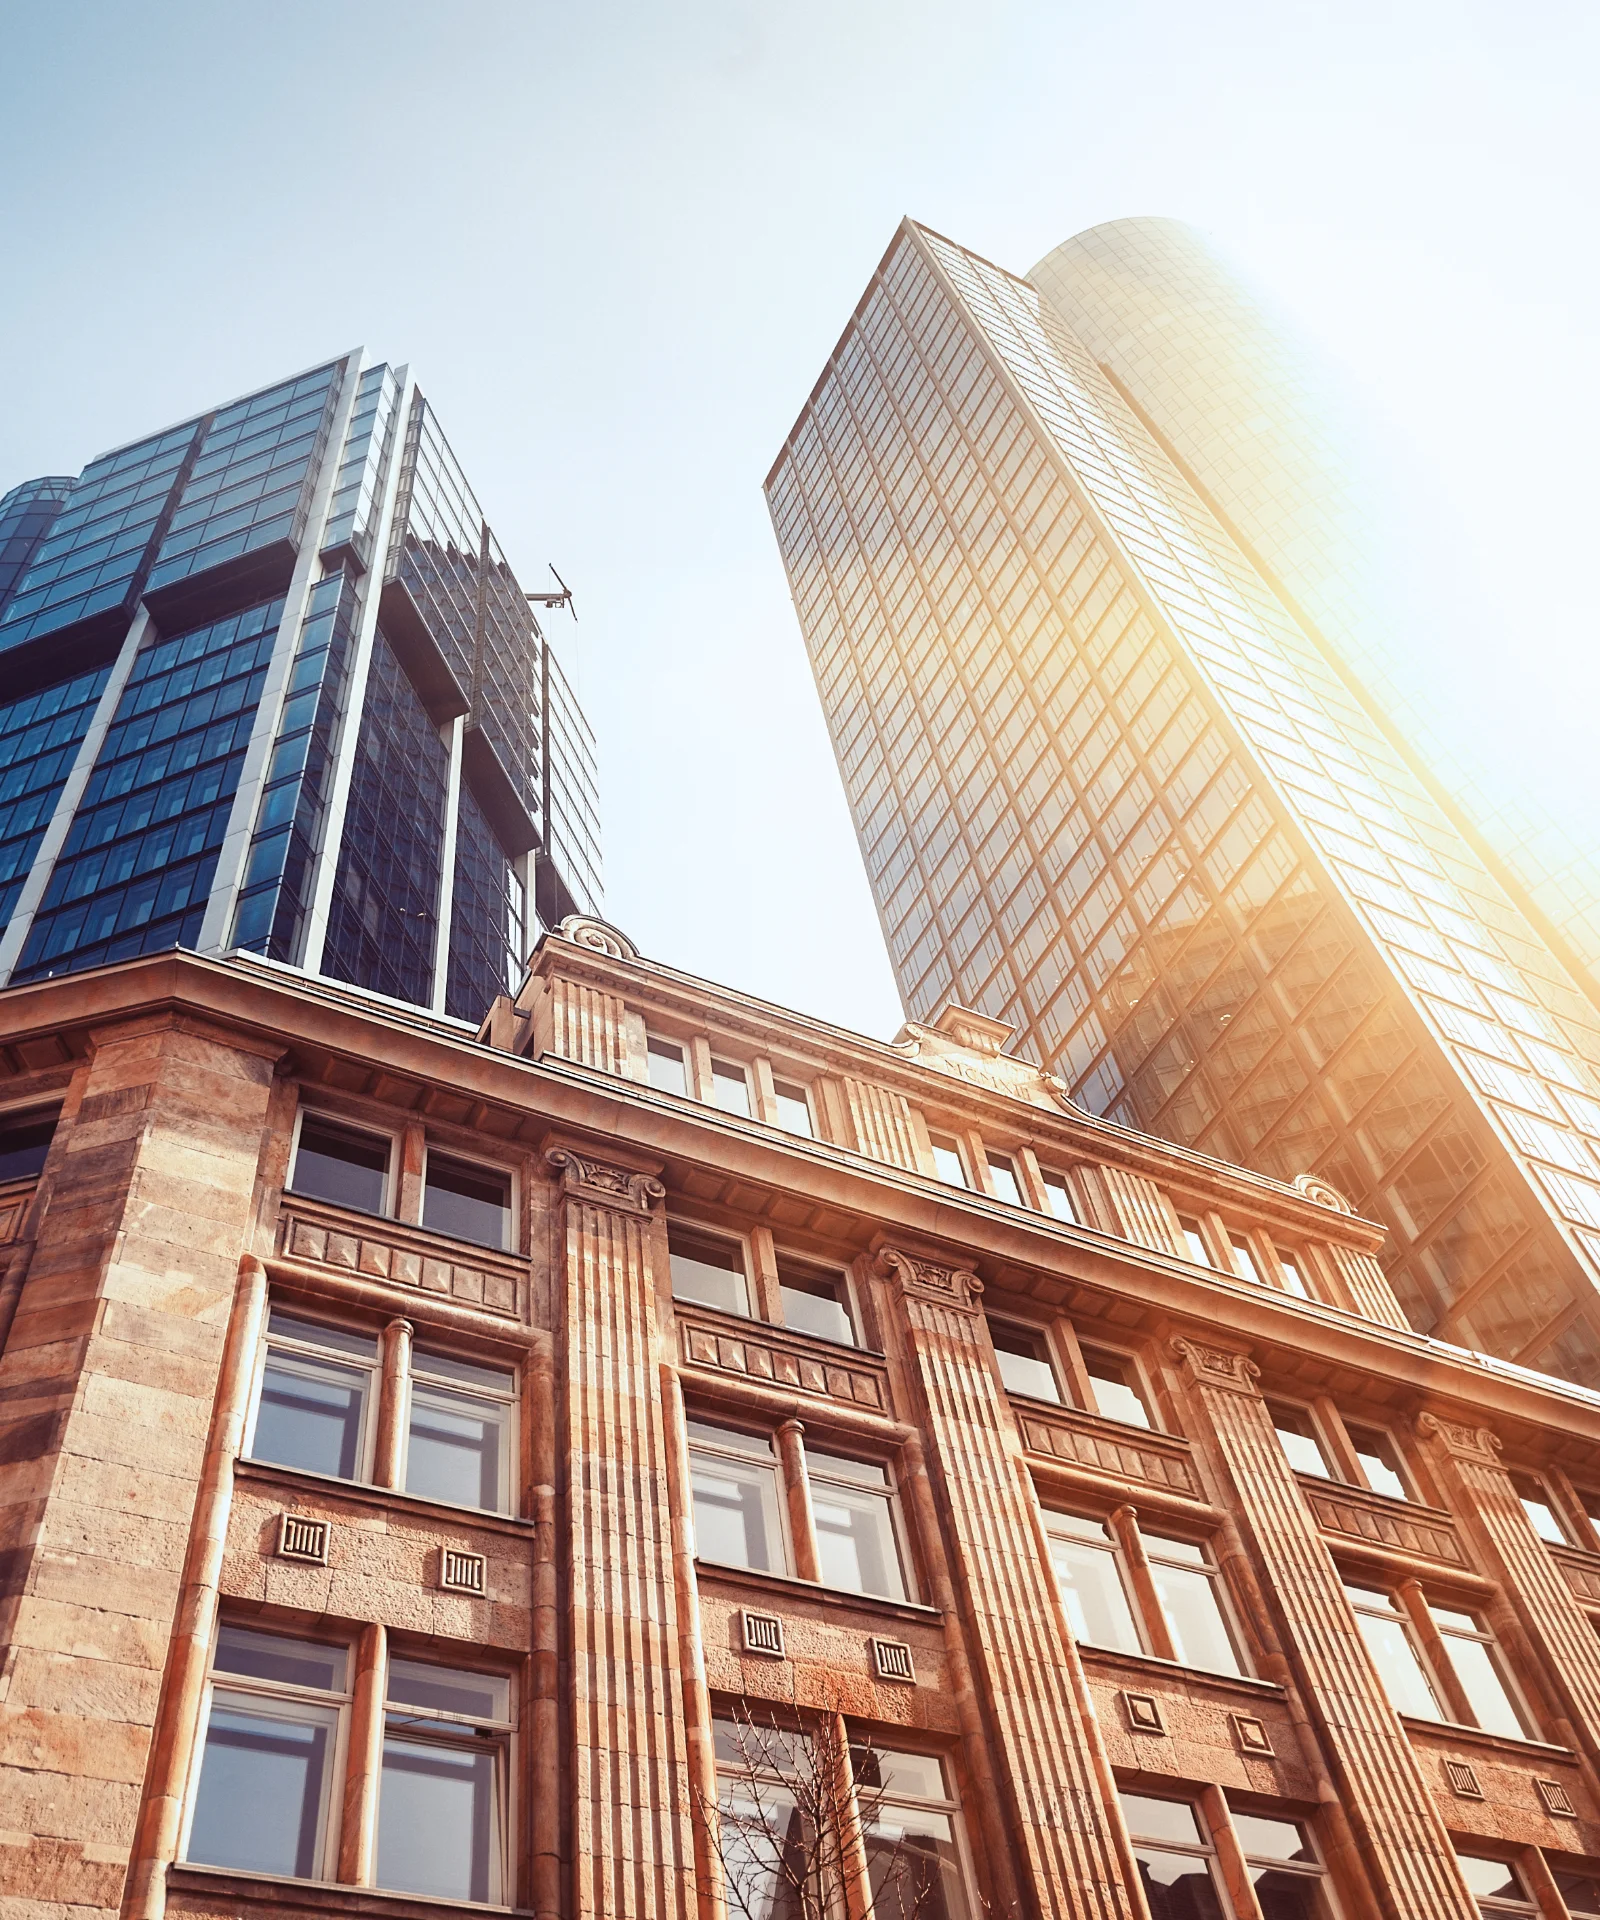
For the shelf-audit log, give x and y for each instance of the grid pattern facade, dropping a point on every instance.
(39, 739)
(1108, 791)
(135, 868)
(488, 917)
(27, 514)
(385, 909)
(358, 484)
(95, 557)
(574, 825)
(1257, 424)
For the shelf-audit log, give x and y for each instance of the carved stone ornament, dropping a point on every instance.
(1468, 1443)
(603, 1184)
(1217, 1366)
(928, 1280)
(1317, 1189)
(599, 936)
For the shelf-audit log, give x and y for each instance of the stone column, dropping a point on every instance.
(630, 1775)
(1064, 1832)
(1406, 1852)
(1478, 1489)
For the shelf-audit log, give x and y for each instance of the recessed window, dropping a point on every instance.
(1024, 1357)
(1540, 1509)
(317, 1385)
(852, 1503)
(343, 1165)
(1390, 1640)
(1097, 1591)
(1470, 1648)
(24, 1142)
(708, 1270)
(1186, 1587)
(912, 1834)
(737, 1502)
(1282, 1864)
(469, 1201)
(267, 1755)
(794, 1109)
(1496, 1885)
(1294, 1281)
(1118, 1393)
(1003, 1172)
(1176, 1862)
(730, 1088)
(1580, 1888)
(1058, 1197)
(1245, 1263)
(1194, 1239)
(1379, 1460)
(1089, 1572)
(1302, 1444)
(947, 1161)
(816, 1300)
(441, 1799)
(666, 1065)
(459, 1432)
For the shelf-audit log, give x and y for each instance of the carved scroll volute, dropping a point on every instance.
(1209, 1366)
(601, 1184)
(929, 1280)
(1481, 1444)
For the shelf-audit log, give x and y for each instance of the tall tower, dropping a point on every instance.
(269, 683)
(1109, 788)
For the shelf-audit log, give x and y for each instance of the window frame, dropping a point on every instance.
(724, 1068)
(771, 1466)
(1057, 1179)
(1342, 1457)
(1511, 1909)
(30, 1114)
(941, 1141)
(1531, 1477)
(686, 1223)
(836, 1271)
(1041, 1335)
(888, 1496)
(685, 1052)
(513, 1175)
(785, 1089)
(1314, 1869)
(510, 1401)
(371, 1412)
(1205, 1849)
(1014, 1167)
(391, 1179)
(948, 1805)
(1142, 1391)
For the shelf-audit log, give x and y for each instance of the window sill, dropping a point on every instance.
(269, 1473)
(820, 1342)
(235, 1884)
(781, 1586)
(394, 1220)
(1151, 1666)
(1526, 1748)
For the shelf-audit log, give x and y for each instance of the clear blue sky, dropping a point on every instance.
(617, 241)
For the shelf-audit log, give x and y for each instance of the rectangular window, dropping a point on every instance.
(1058, 1198)
(442, 1796)
(467, 1201)
(460, 1431)
(267, 1755)
(1024, 1357)
(1118, 1393)
(911, 1824)
(1186, 1587)
(666, 1065)
(1540, 1509)
(951, 1168)
(1281, 1860)
(816, 1300)
(1194, 1239)
(1380, 1462)
(1294, 1281)
(1302, 1444)
(1496, 1885)
(345, 1166)
(794, 1109)
(1580, 1888)
(318, 1383)
(24, 1142)
(730, 1088)
(737, 1500)
(1471, 1650)
(766, 1773)
(708, 1270)
(1245, 1263)
(852, 1504)
(1088, 1569)
(1176, 1863)
(1003, 1172)
(1387, 1633)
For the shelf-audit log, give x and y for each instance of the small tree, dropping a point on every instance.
(791, 1795)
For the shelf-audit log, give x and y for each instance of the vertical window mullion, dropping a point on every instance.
(1124, 1524)
(363, 1764)
(797, 1497)
(394, 1410)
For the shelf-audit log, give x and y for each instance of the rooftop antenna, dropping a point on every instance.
(561, 599)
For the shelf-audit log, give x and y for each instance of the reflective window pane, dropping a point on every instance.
(1540, 1509)
(1193, 1612)
(467, 1201)
(1389, 1642)
(736, 1514)
(816, 1301)
(1580, 1888)
(450, 1690)
(1492, 1879)
(438, 1826)
(766, 1845)
(1380, 1461)
(1302, 1445)
(914, 1865)
(1003, 1172)
(311, 1414)
(1092, 1592)
(1058, 1197)
(794, 1110)
(947, 1160)
(1245, 1263)
(1481, 1680)
(24, 1142)
(264, 1778)
(277, 1657)
(1177, 1886)
(1195, 1240)
(730, 1088)
(342, 1165)
(1024, 1360)
(455, 1448)
(1115, 1383)
(856, 1546)
(667, 1067)
(708, 1271)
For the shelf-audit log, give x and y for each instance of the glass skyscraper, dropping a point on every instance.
(1112, 786)
(267, 681)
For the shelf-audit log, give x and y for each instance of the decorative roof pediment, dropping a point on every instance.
(970, 1046)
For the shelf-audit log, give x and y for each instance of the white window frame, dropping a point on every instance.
(832, 1271)
(990, 1156)
(937, 1140)
(1210, 1571)
(1042, 1335)
(807, 1100)
(763, 1469)
(686, 1056)
(508, 1401)
(1499, 1666)
(1314, 1869)
(1330, 1454)
(1204, 1849)
(1293, 1259)
(391, 1179)
(1402, 1472)
(722, 1068)
(887, 1800)
(1111, 1548)
(513, 1199)
(1058, 1177)
(888, 1496)
(292, 1347)
(1493, 1909)
(687, 1224)
(1395, 1612)
(275, 1699)
(1142, 1389)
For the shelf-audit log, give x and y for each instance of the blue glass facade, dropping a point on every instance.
(320, 694)
(27, 514)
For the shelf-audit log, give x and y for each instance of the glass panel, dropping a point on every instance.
(470, 1202)
(914, 1865)
(1195, 1239)
(454, 1448)
(1092, 1593)
(668, 1070)
(1152, 1819)
(1293, 1279)
(1058, 1197)
(24, 1142)
(1399, 1667)
(311, 1415)
(1580, 1888)
(318, 1333)
(1116, 1390)
(1536, 1504)
(1486, 1693)
(1301, 1445)
(1244, 1260)
(1492, 1879)
(915, 1776)
(709, 1272)
(1024, 1361)
(341, 1165)
(767, 1848)
(1266, 1839)
(1380, 1461)
(730, 1089)
(1188, 1599)
(470, 1696)
(467, 1373)
(736, 1513)
(856, 1547)
(947, 1160)
(437, 1819)
(794, 1110)
(1283, 1895)
(263, 1783)
(815, 1302)
(1177, 1886)
(274, 1656)
(1004, 1174)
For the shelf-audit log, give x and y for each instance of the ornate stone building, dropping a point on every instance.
(425, 1455)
